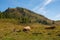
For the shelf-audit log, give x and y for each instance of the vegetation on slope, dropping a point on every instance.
(17, 18)
(38, 31)
(25, 16)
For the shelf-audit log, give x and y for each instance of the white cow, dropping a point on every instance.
(27, 28)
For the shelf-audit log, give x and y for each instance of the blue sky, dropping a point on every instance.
(48, 8)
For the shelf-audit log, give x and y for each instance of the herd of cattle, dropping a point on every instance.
(28, 28)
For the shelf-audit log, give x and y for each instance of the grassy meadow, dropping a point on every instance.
(38, 31)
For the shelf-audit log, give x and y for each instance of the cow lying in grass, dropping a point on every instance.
(50, 27)
(16, 30)
(27, 28)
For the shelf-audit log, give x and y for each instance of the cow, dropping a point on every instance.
(50, 27)
(16, 30)
(27, 28)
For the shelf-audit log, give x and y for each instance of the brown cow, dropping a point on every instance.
(50, 27)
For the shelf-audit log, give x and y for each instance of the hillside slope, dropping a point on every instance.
(25, 16)
(11, 29)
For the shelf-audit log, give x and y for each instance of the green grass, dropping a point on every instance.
(7, 33)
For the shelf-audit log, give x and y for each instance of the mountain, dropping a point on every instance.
(13, 21)
(25, 16)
